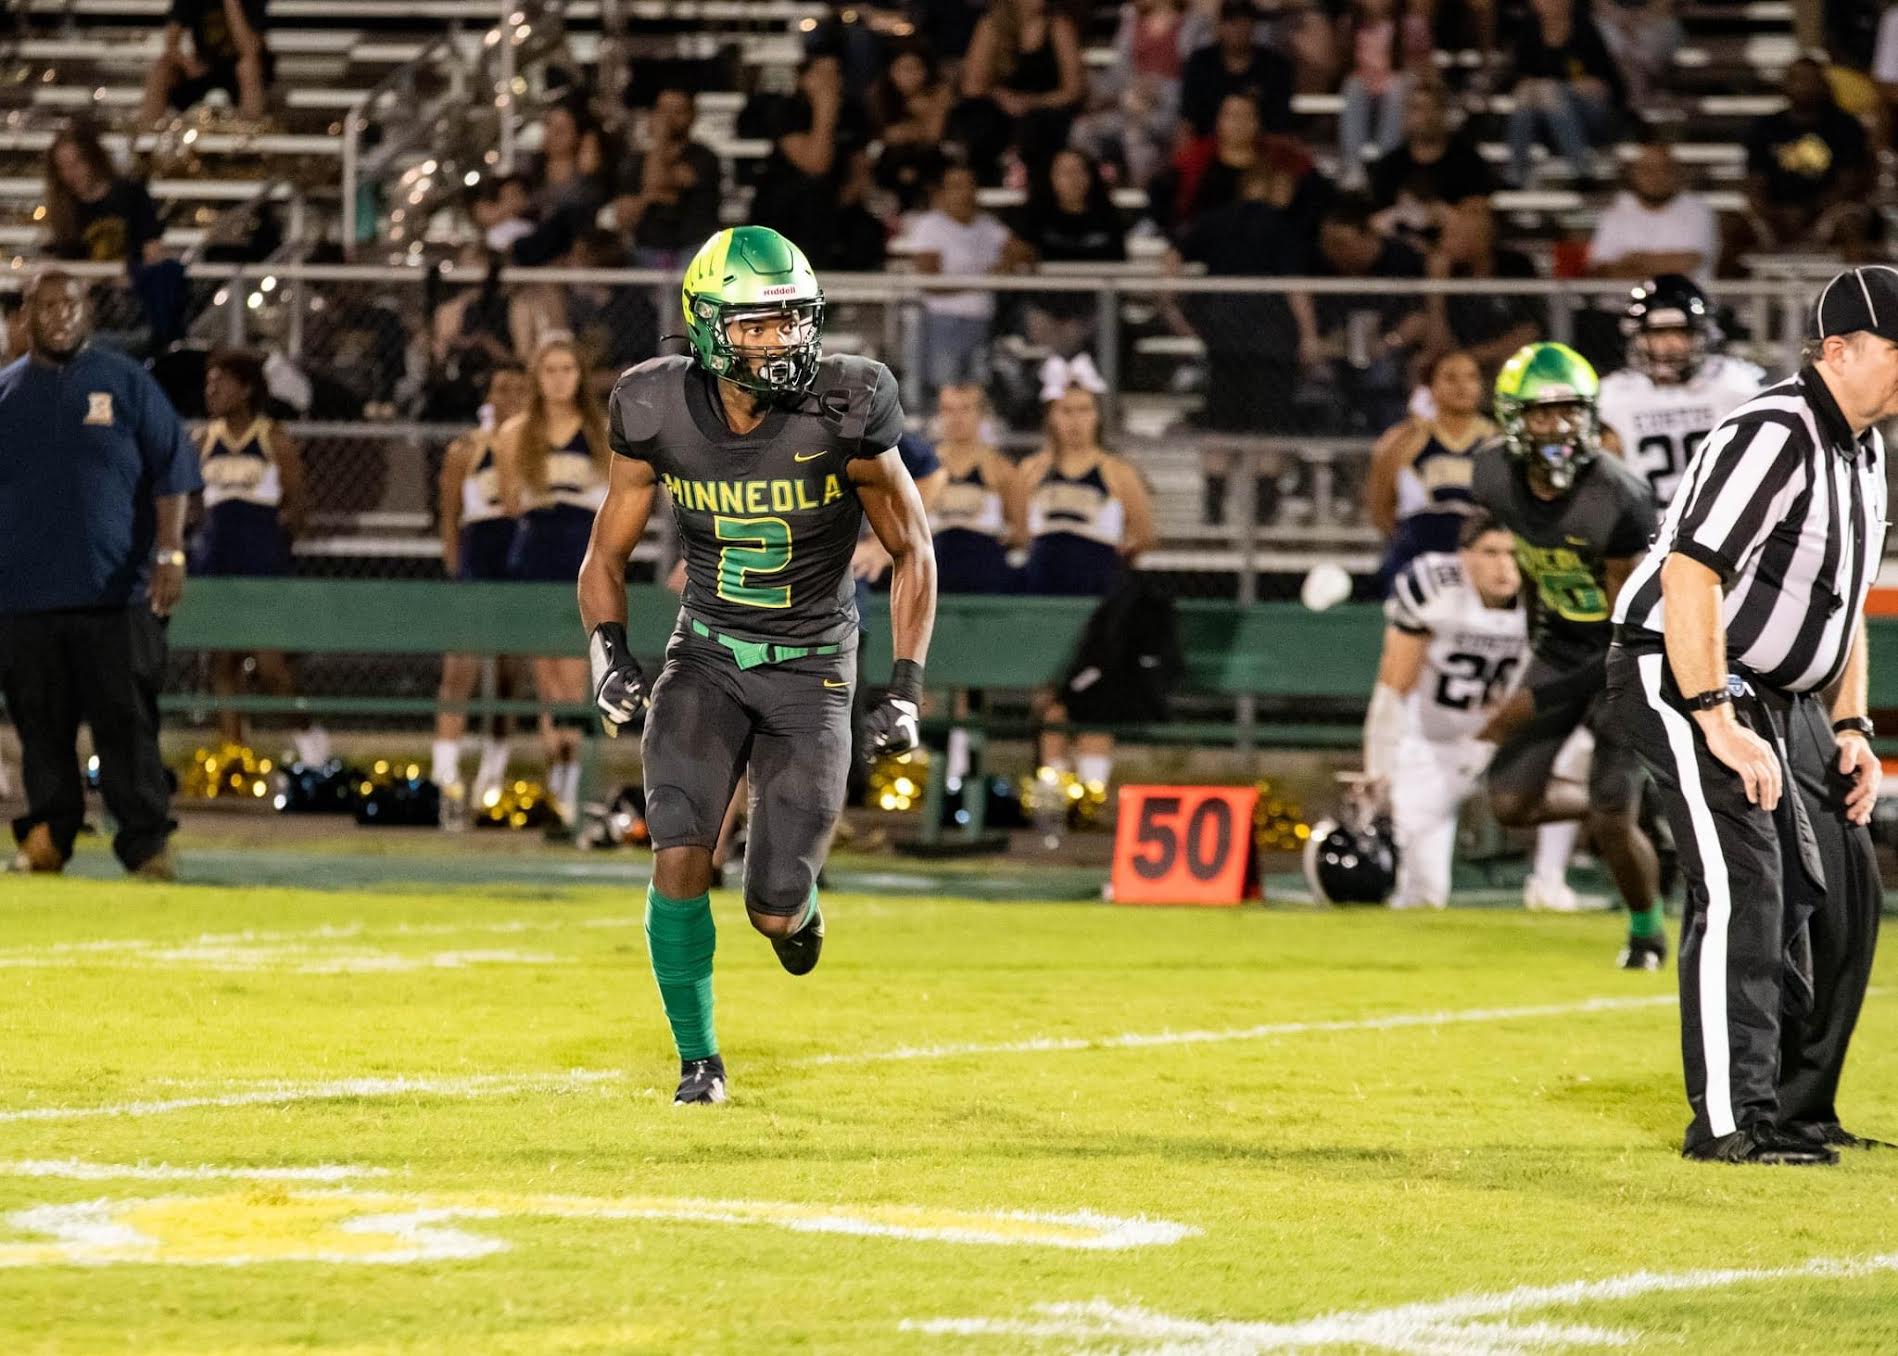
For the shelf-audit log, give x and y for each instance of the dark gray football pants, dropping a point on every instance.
(1781, 909)
(787, 723)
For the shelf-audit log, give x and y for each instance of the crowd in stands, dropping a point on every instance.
(904, 119)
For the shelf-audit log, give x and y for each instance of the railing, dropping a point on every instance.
(1292, 479)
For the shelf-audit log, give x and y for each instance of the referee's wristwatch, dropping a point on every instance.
(1861, 725)
(171, 557)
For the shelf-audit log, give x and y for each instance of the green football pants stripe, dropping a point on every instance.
(680, 936)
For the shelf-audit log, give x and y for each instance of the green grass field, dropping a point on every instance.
(424, 1120)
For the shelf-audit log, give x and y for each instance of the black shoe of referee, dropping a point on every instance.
(1644, 953)
(1765, 1146)
(1833, 1137)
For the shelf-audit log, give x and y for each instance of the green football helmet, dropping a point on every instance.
(1559, 382)
(745, 272)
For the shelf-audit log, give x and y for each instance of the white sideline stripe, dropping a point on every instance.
(1131, 1040)
(1463, 1324)
(1711, 974)
(478, 1085)
(200, 1230)
(324, 932)
(76, 1170)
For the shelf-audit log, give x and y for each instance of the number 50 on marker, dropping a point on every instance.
(1182, 844)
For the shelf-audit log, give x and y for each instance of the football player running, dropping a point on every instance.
(1581, 521)
(772, 454)
(1453, 649)
(1677, 384)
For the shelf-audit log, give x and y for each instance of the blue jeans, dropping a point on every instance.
(1572, 120)
(1355, 122)
(952, 350)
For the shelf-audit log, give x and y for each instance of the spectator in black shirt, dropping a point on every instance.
(909, 110)
(93, 212)
(1370, 337)
(1809, 173)
(615, 324)
(669, 194)
(568, 173)
(812, 134)
(1022, 84)
(1488, 326)
(227, 53)
(1069, 219)
(1435, 170)
(1234, 64)
(1566, 81)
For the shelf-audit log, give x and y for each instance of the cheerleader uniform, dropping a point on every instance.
(487, 533)
(1075, 527)
(551, 540)
(1433, 499)
(969, 527)
(242, 532)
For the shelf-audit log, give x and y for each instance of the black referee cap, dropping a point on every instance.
(1860, 299)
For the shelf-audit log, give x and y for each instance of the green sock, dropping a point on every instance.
(811, 914)
(1645, 922)
(680, 936)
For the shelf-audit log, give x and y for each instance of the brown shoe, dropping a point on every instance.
(158, 866)
(37, 853)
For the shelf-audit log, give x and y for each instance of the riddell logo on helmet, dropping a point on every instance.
(781, 290)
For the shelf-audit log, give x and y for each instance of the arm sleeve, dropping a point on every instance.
(884, 424)
(918, 454)
(1742, 483)
(170, 459)
(630, 419)
(1409, 602)
(1635, 529)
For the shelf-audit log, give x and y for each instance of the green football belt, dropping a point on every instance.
(749, 654)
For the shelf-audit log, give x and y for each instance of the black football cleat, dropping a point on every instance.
(701, 1082)
(1834, 1137)
(1764, 1146)
(798, 953)
(1644, 953)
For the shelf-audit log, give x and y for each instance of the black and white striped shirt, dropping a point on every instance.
(1788, 508)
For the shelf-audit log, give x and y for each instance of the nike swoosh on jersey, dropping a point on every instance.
(835, 682)
(809, 456)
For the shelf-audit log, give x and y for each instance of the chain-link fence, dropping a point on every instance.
(1249, 405)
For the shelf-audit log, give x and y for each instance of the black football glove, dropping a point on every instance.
(894, 724)
(619, 688)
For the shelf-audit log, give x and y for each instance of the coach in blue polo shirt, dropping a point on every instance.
(94, 473)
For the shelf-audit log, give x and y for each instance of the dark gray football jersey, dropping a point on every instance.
(769, 519)
(1563, 545)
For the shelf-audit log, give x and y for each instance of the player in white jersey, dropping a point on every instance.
(1454, 647)
(1676, 386)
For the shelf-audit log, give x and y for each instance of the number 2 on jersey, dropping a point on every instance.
(1471, 680)
(1659, 459)
(758, 546)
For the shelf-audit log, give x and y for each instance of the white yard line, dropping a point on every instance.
(345, 1226)
(342, 1089)
(1133, 1040)
(76, 1170)
(1480, 1324)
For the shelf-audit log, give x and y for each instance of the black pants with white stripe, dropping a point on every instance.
(1781, 909)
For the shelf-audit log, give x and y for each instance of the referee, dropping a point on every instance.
(1739, 668)
(94, 473)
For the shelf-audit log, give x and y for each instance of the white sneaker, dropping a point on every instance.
(1555, 896)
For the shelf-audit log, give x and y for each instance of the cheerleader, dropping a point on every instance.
(253, 508)
(477, 533)
(979, 515)
(553, 459)
(1088, 517)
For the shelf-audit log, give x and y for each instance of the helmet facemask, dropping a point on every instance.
(1676, 358)
(1554, 439)
(784, 359)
